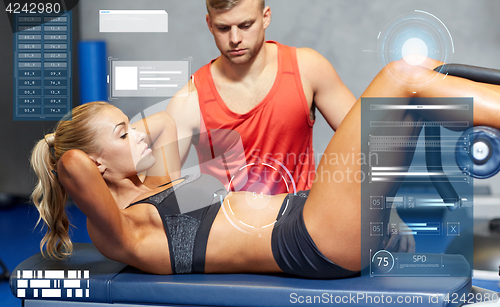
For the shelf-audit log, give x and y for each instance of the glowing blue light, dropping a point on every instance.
(414, 51)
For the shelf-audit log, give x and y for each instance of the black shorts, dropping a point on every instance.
(293, 248)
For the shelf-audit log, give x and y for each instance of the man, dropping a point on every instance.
(264, 91)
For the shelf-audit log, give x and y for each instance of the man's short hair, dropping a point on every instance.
(226, 4)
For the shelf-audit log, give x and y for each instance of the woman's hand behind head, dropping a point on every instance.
(75, 165)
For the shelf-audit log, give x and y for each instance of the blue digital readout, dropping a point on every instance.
(42, 66)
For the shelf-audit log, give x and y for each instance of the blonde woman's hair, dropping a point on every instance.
(49, 196)
(227, 4)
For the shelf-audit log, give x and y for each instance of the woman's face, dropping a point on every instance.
(124, 151)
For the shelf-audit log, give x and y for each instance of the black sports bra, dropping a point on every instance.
(187, 210)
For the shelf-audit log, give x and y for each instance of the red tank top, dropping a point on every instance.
(266, 150)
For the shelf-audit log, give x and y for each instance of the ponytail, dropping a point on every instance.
(50, 198)
(75, 132)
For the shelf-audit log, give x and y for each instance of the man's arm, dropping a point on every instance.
(320, 80)
(185, 111)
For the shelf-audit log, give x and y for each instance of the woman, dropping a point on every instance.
(95, 158)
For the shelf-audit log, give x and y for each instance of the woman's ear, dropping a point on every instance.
(97, 162)
(101, 168)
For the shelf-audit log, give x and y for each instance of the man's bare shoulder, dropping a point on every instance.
(332, 98)
(187, 94)
(307, 52)
(315, 69)
(311, 61)
(184, 106)
(185, 100)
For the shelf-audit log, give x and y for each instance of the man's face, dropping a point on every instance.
(239, 33)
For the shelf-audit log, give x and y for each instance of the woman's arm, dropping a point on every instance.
(82, 180)
(162, 138)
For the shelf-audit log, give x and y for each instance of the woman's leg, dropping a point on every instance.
(332, 213)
